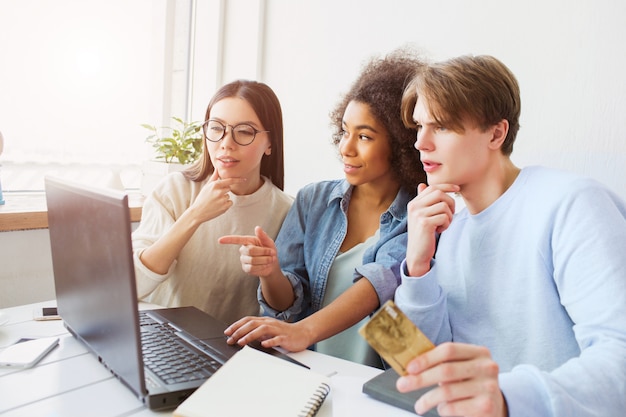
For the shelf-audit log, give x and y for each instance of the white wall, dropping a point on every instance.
(26, 274)
(568, 57)
(25, 267)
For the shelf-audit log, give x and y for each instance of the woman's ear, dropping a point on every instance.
(268, 151)
(500, 130)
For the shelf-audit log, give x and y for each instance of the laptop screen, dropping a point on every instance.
(90, 239)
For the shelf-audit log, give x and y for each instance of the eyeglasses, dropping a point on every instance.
(243, 133)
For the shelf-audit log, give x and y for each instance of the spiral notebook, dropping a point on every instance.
(252, 383)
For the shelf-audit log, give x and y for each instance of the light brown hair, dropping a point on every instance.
(478, 89)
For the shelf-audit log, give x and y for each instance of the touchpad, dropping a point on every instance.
(218, 347)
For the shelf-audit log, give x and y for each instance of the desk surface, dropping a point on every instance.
(26, 211)
(71, 382)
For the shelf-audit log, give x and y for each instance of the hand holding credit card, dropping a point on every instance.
(395, 337)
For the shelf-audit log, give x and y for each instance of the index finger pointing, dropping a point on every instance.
(238, 240)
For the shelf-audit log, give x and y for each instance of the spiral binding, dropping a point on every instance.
(313, 405)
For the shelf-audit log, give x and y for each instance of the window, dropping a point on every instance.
(77, 79)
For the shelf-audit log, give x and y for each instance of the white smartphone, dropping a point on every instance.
(27, 352)
(46, 313)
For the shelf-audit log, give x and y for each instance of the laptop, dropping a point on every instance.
(94, 274)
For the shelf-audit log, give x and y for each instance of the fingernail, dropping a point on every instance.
(418, 407)
(401, 383)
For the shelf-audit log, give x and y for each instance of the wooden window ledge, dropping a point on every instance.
(28, 211)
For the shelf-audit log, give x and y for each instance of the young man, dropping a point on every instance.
(524, 290)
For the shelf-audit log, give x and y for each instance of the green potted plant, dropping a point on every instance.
(175, 146)
(180, 143)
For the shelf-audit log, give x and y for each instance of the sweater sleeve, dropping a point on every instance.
(158, 215)
(589, 244)
(382, 269)
(424, 302)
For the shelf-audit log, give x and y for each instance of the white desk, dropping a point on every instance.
(71, 382)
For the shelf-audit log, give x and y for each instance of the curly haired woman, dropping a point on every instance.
(338, 254)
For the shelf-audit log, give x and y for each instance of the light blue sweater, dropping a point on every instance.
(539, 277)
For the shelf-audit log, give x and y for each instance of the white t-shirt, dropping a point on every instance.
(348, 344)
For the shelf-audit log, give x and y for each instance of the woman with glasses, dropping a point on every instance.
(235, 185)
(338, 254)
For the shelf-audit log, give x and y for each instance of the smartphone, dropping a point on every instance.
(46, 313)
(25, 353)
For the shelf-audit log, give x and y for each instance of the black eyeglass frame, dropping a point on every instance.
(232, 131)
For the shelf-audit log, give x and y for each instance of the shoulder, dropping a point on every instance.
(538, 175)
(174, 185)
(324, 189)
(558, 184)
(317, 197)
(176, 191)
(567, 192)
(278, 196)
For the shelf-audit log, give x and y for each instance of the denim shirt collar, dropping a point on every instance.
(397, 209)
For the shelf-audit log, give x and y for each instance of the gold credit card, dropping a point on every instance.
(395, 337)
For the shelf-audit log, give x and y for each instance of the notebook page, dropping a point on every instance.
(257, 384)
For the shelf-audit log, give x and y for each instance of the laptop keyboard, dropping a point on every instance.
(168, 357)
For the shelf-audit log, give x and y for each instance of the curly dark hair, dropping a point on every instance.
(381, 85)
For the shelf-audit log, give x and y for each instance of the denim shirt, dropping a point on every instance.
(311, 236)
